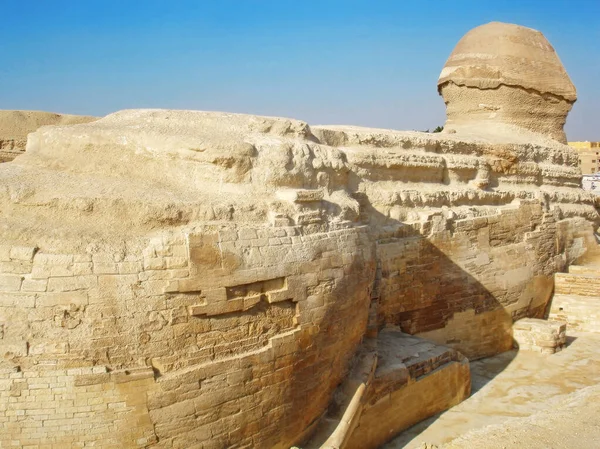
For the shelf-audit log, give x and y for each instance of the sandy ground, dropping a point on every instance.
(17, 124)
(523, 400)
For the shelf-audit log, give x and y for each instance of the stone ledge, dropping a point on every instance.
(579, 312)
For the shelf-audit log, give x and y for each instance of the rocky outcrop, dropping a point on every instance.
(502, 73)
(15, 125)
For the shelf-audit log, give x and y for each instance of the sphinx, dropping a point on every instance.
(188, 279)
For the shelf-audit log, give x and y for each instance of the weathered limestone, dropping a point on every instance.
(576, 298)
(399, 381)
(501, 73)
(15, 125)
(228, 268)
(585, 284)
(547, 337)
(414, 380)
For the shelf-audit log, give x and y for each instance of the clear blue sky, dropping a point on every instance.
(370, 63)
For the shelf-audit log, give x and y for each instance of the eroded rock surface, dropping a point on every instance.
(501, 73)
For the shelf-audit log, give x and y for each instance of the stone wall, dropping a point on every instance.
(240, 328)
(423, 397)
(577, 284)
(575, 298)
(235, 332)
(465, 283)
(43, 406)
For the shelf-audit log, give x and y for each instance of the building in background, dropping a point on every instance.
(589, 157)
(591, 182)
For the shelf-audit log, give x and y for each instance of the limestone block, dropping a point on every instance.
(10, 283)
(48, 348)
(13, 348)
(53, 259)
(300, 195)
(24, 253)
(15, 267)
(581, 313)
(5, 253)
(34, 285)
(67, 284)
(176, 262)
(62, 299)
(307, 218)
(41, 272)
(82, 258)
(543, 336)
(105, 268)
(584, 284)
(17, 300)
(154, 263)
(81, 268)
(584, 269)
(131, 375)
(247, 234)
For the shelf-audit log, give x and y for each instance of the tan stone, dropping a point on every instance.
(505, 73)
(543, 336)
(10, 283)
(15, 125)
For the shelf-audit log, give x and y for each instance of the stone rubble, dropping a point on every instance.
(543, 336)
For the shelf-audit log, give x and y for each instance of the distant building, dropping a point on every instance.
(591, 182)
(589, 157)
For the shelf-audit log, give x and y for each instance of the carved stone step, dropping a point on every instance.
(581, 313)
(576, 284)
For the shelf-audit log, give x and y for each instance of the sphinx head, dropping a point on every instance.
(501, 73)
